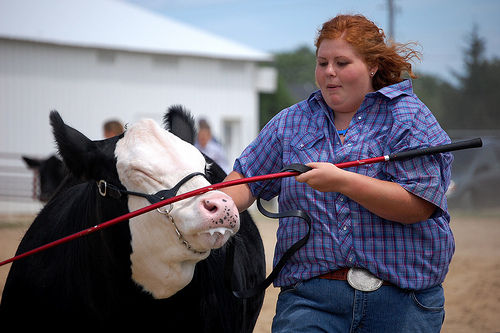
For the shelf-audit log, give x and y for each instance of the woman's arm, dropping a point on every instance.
(386, 199)
(241, 194)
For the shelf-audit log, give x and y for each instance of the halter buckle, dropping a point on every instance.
(166, 211)
(102, 187)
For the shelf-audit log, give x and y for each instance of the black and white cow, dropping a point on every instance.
(136, 272)
(49, 173)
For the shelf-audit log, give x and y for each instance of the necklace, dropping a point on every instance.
(343, 132)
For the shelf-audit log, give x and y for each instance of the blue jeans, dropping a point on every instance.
(320, 305)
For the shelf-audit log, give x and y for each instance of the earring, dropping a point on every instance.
(371, 74)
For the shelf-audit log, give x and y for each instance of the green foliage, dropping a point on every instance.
(297, 69)
(295, 82)
(473, 104)
(271, 104)
(431, 89)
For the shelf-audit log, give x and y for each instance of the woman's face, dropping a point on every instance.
(342, 75)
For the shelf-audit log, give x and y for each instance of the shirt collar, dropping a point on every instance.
(394, 90)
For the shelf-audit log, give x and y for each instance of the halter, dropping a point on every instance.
(107, 189)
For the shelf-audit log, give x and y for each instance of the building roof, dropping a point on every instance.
(116, 25)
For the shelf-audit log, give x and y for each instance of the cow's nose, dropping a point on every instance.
(219, 208)
(212, 205)
(216, 204)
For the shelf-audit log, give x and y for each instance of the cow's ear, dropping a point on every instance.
(180, 122)
(77, 151)
(31, 162)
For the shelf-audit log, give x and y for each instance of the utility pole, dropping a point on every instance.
(390, 8)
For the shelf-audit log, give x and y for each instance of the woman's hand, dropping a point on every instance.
(324, 177)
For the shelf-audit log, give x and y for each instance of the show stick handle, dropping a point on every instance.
(473, 143)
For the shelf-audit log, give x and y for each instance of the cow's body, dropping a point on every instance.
(132, 273)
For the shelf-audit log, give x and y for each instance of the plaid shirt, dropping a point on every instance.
(345, 234)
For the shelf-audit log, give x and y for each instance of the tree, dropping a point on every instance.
(295, 82)
(297, 69)
(271, 104)
(432, 91)
(473, 105)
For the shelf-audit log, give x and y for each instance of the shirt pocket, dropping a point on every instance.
(306, 148)
(370, 149)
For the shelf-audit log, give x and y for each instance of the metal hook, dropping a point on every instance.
(102, 187)
(167, 211)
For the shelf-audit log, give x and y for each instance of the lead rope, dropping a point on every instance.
(261, 287)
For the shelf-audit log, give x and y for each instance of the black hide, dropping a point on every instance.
(50, 172)
(87, 282)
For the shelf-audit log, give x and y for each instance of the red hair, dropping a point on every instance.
(369, 42)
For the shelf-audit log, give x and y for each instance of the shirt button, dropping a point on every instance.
(350, 259)
(341, 199)
(345, 228)
(359, 117)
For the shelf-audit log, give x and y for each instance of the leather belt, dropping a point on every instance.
(358, 278)
(339, 274)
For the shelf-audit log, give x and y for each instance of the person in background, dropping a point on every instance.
(209, 146)
(381, 243)
(112, 128)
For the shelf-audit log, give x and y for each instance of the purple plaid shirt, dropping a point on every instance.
(345, 234)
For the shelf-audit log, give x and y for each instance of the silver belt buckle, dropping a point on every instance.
(361, 279)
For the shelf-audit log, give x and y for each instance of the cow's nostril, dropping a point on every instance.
(210, 206)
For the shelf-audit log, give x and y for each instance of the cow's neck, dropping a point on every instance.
(160, 270)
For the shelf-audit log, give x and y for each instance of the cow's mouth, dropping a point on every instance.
(220, 230)
(216, 237)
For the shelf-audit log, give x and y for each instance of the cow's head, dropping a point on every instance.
(50, 173)
(147, 159)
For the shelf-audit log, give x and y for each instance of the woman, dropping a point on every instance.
(389, 221)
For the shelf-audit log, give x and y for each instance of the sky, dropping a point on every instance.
(440, 27)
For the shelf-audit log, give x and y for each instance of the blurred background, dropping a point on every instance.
(237, 63)
(234, 63)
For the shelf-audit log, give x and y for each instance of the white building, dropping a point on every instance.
(93, 60)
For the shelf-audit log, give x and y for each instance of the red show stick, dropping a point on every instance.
(473, 143)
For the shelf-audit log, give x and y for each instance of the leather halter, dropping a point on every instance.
(115, 192)
(107, 189)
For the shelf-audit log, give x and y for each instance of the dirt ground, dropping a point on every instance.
(472, 287)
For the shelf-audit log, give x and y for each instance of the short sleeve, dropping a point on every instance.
(263, 156)
(427, 176)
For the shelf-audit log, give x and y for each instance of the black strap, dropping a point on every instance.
(261, 287)
(170, 193)
(115, 192)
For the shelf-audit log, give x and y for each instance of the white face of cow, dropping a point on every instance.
(150, 159)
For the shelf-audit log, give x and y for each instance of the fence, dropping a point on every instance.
(17, 182)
